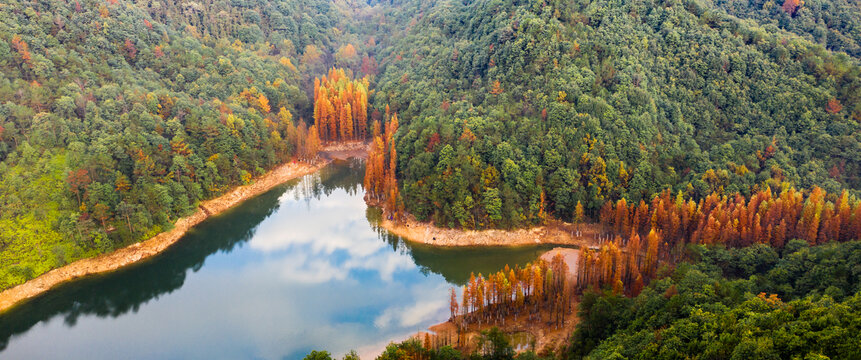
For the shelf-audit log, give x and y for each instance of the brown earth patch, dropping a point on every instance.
(571, 257)
(345, 150)
(555, 232)
(549, 338)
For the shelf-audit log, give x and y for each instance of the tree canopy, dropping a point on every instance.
(117, 117)
(511, 108)
(752, 302)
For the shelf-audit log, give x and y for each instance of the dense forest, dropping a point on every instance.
(833, 24)
(117, 117)
(748, 303)
(511, 107)
(717, 143)
(649, 236)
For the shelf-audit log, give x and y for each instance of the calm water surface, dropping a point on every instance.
(301, 267)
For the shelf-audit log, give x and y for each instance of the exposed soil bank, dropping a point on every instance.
(548, 337)
(345, 150)
(571, 257)
(145, 249)
(557, 233)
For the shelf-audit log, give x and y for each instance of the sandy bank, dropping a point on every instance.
(145, 249)
(571, 257)
(557, 233)
(346, 150)
(548, 337)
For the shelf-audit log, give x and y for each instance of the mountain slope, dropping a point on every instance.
(835, 24)
(506, 103)
(118, 117)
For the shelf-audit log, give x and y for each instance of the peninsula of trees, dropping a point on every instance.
(717, 143)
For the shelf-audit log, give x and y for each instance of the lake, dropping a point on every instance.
(299, 268)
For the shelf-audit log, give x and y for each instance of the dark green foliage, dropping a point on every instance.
(832, 269)
(446, 353)
(705, 311)
(741, 262)
(493, 344)
(836, 24)
(318, 355)
(117, 118)
(599, 100)
(601, 316)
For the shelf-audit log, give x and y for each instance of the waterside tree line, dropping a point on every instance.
(566, 102)
(658, 235)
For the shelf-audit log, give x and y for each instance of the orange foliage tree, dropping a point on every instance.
(833, 106)
(341, 106)
(22, 48)
(656, 233)
(381, 183)
(737, 221)
(497, 88)
(791, 6)
(514, 292)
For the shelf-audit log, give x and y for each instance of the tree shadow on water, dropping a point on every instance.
(119, 292)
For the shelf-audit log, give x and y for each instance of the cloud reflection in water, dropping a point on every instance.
(328, 243)
(274, 278)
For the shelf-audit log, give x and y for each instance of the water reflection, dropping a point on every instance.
(298, 268)
(127, 289)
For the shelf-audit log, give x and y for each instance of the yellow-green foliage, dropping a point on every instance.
(29, 243)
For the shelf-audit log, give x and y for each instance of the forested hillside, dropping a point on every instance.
(750, 303)
(715, 145)
(117, 117)
(835, 24)
(512, 108)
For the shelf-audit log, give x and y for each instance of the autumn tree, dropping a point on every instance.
(341, 106)
(579, 215)
(535, 289)
(102, 213)
(347, 56)
(453, 306)
(652, 242)
(791, 6)
(78, 181)
(381, 182)
(130, 50)
(735, 221)
(497, 88)
(22, 48)
(833, 106)
(311, 144)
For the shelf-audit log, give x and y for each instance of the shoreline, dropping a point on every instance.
(546, 338)
(155, 245)
(554, 233)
